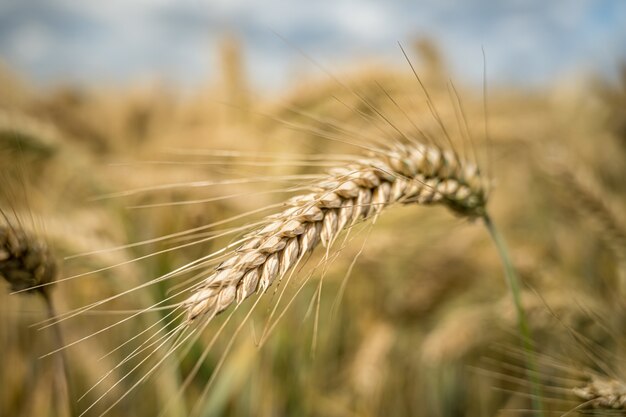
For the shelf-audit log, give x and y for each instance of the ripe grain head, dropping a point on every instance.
(405, 174)
(26, 263)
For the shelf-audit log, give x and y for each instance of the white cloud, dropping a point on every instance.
(366, 21)
(30, 43)
(116, 38)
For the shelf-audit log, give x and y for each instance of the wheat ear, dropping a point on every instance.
(406, 174)
(25, 263)
(28, 265)
(602, 393)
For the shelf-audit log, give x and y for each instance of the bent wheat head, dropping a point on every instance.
(406, 174)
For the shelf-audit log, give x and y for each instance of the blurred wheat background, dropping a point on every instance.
(415, 318)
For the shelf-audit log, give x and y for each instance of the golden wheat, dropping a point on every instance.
(405, 174)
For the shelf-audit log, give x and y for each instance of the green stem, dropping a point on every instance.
(513, 283)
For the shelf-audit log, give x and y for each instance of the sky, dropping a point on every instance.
(119, 41)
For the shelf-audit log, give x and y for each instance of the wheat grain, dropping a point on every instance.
(406, 174)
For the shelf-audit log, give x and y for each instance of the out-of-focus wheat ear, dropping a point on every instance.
(25, 263)
(594, 203)
(602, 393)
(28, 136)
(28, 265)
(407, 174)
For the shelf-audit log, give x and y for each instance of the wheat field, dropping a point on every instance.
(140, 196)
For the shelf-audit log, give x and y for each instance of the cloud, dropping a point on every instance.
(526, 41)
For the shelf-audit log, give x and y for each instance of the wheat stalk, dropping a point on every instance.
(406, 174)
